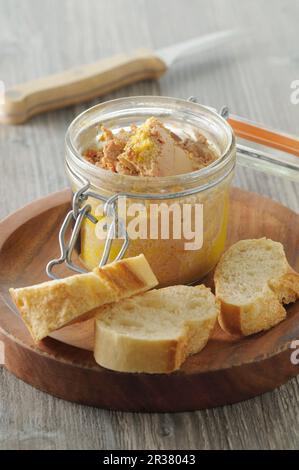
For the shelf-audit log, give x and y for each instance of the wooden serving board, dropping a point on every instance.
(228, 370)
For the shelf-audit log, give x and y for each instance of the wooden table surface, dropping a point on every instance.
(253, 77)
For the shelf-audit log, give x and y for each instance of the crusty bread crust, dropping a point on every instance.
(128, 353)
(51, 305)
(263, 314)
(287, 286)
(265, 311)
(230, 318)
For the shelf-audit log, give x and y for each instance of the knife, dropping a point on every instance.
(85, 82)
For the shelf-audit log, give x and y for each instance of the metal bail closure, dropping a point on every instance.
(76, 217)
(223, 112)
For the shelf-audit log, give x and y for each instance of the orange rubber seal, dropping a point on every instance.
(260, 135)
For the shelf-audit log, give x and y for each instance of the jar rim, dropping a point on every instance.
(115, 178)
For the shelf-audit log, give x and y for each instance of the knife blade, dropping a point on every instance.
(178, 51)
(86, 82)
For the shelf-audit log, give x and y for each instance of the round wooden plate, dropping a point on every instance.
(228, 370)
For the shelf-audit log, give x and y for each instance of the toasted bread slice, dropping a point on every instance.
(48, 306)
(155, 332)
(252, 281)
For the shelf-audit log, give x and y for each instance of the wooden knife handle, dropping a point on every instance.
(78, 84)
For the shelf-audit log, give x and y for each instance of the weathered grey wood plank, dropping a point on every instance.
(253, 78)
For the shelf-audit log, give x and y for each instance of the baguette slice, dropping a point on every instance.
(155, 332)
(252, 281)
(48, 306)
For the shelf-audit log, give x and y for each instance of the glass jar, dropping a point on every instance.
(208, 187)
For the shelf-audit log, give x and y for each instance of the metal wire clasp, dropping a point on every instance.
(76, 217)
